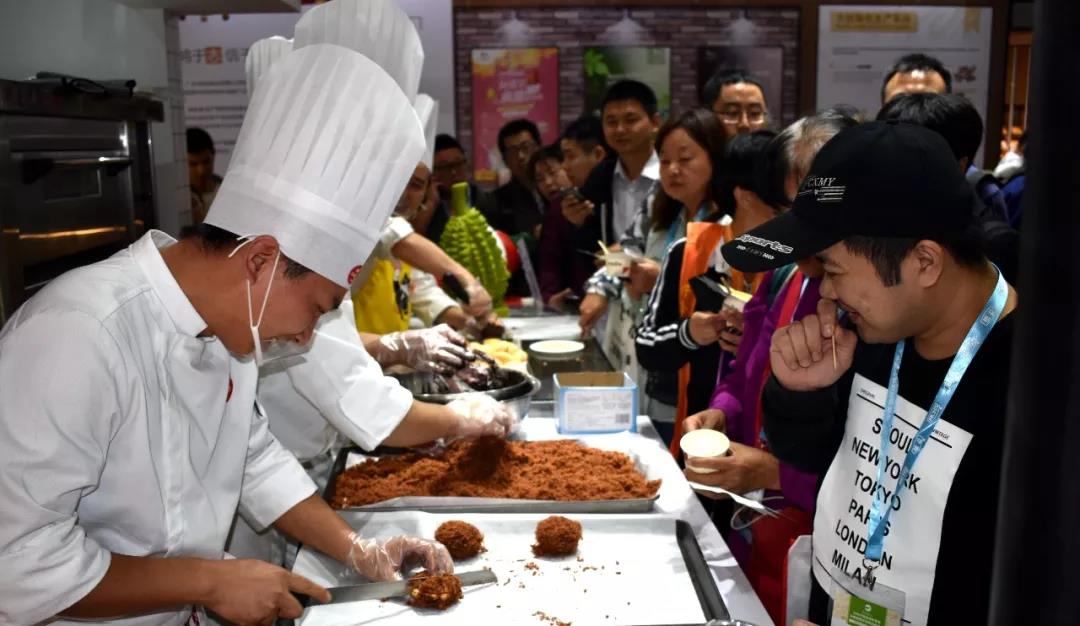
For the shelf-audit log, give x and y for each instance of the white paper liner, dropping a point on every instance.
(631, 571)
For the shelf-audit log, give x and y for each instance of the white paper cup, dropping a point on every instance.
(617, 264)
(705, 444)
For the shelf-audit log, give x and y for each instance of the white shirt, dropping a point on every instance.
(334, 387)
(123, 431)
(627, 197)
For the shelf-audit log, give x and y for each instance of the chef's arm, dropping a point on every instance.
(313, 523)
(424, 423)
(134, 585)
(419, 251)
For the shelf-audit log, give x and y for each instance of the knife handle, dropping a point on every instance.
(452, 285)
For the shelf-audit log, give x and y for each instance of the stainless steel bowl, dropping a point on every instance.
(517, 395)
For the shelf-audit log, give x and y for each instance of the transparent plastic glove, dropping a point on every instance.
(480, 305)
(480, 414)
(383, 559)
(440, 349)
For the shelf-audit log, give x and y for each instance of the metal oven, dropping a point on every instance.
(76, 182)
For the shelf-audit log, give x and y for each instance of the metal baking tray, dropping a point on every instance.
(454, 504)
(612, 579)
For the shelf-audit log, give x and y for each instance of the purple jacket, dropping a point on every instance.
(559, 264)
(738, 390)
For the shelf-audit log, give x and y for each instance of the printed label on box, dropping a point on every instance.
(599, 409)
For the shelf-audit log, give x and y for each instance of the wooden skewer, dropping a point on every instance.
(834, 350)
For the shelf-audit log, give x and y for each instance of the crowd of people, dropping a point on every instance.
(883, 223)
(835, 295)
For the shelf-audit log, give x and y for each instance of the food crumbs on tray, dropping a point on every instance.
(532, 565)
(559, 470)
(554, 621)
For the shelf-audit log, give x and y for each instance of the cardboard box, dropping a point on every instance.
(595, 402)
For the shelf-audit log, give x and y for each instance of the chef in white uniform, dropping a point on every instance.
(337, 391)
(129, 428)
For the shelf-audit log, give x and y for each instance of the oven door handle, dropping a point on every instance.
(34, 169)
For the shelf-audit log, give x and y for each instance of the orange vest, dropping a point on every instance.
(701, 240)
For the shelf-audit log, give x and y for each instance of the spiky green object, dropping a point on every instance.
(469, 241)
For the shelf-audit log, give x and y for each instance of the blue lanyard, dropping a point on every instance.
(700, 215)
(879, 520)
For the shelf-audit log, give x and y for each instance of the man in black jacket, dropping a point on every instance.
(516, 207)
(954, 117)
(899, 401)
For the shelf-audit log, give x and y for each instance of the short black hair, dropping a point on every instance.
(716, 85)
(950, 115)
(631, 90)
(968, 248)
(447, 142)
(588, 132)
(546, 153)
(198, 140)
(918, 61)
(742, 160)
(218, 240)
(514, 127)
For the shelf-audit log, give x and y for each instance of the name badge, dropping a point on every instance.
(863, 602)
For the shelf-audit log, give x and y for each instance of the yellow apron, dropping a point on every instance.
(384, 305)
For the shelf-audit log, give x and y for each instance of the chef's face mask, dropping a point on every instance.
(272, 349)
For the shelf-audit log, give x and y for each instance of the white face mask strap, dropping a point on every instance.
(245, 240)
(266, 296)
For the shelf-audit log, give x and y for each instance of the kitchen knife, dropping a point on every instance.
(394, 589)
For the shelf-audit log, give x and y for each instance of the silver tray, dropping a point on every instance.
(461, 504)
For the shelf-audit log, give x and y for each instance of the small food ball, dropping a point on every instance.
(434, 591)
(557, 536)
(462, 540)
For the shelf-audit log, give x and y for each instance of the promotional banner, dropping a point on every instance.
(508, 84)
(214, 47)
(857, 44)
(610, 64)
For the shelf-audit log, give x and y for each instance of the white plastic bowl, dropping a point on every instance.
(706, 444)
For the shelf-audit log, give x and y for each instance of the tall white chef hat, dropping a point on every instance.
(327, 145)
(262, 54)
(427, 109)
(377, 29)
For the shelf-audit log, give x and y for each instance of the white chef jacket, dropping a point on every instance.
(336, 386)
(123, 431)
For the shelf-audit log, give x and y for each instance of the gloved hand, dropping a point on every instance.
(480, 304)
(382, 559)
(440, 349)
(480, 414)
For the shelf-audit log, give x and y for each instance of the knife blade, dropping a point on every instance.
(399, 588)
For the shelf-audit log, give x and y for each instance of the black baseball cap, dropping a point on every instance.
(878, 179)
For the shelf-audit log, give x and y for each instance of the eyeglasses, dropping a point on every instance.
(733, 115)
(451, 166)
(525, 147)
